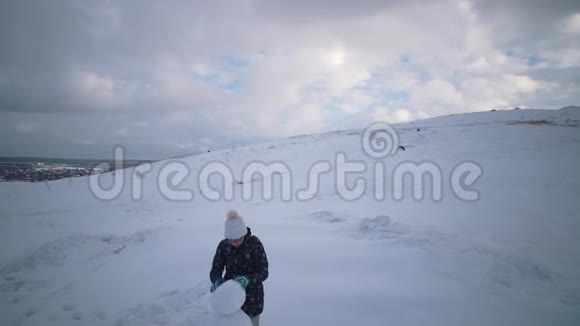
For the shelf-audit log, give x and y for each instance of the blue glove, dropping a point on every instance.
(216, 284)
(243, 280)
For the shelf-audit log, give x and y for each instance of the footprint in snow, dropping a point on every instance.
(175, 307)
(327, 216)
(31, 312)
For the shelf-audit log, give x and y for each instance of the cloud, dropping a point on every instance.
(237, 72)
(397, 115)
(572, 24)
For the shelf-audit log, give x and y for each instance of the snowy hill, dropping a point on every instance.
(510, 257)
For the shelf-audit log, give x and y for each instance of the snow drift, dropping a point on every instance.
(508, 258)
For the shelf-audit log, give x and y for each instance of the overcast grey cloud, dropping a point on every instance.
(168, 78)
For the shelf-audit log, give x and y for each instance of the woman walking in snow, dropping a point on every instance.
(244, 259)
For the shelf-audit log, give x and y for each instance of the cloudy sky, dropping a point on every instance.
(168, 78)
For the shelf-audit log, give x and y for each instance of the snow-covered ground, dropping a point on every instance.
(509, 258)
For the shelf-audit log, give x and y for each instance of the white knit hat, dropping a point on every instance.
(235, 227)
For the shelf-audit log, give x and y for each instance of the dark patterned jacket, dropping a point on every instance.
(250, 260)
